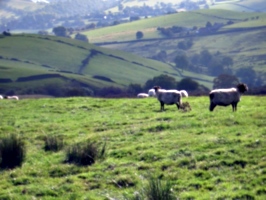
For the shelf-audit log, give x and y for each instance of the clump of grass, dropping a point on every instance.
(158, 190)
(12, 152)
(53, 143)
(154, 190)
(84, 154)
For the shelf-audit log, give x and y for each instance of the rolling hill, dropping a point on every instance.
(242, 39)
(30, 62)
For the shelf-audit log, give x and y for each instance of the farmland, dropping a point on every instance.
(203, 154)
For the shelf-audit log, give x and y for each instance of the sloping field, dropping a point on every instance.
(240, 5)
(202, 154)
(149, 26)
(31, 56)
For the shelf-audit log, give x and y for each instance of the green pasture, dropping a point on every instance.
(203, 154)
(26, 55)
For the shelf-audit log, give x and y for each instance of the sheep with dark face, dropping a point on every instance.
(225, 97)
(168, 97)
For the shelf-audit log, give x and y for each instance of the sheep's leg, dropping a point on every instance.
(177, 105)
(234, 106)
(162, 105)
(212, 106)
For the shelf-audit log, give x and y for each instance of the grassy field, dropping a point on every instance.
(203, 154)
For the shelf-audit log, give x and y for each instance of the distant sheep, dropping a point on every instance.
(11, 97)
(142, 95)
(168, 97)
(225, 97)
(1, 97)
(151, 93)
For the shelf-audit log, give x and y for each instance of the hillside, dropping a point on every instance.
(29, 62)
(240, 37)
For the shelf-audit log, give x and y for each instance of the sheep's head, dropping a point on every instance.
(242, 87)
(156, 88)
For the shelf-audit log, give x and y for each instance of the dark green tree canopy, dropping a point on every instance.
(139, 35)
(225, 81)
(81, 37)
(247, 75)
(164, 81)
(181, 61)
(187, 84)
(60, 31)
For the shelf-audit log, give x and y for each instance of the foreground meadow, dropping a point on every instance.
(203, 154)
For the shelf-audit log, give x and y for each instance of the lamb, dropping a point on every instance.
(142, 95)
(225, 97)
(168, 97)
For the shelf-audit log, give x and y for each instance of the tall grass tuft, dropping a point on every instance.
(158, 190)
(82, 154)
(12, 152)
(53, 143)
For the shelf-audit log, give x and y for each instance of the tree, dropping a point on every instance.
(181, 61)
(134, 89)
(247, 75)
(81, 37)
(225, 81)
(164, 81)
(60, 31)
(208, 25)
(205, 57)
(139, 35)
(187, 84)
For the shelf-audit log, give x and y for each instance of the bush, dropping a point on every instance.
(84, 154)
(12, 152)
(53, 143)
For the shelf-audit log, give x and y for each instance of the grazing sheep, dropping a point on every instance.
(225, 97)
(142, 95)
(1, 97)
(168, 97)
(11, 97)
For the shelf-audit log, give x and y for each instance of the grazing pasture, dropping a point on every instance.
(203, 154)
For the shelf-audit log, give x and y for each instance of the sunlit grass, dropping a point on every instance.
(203, 154)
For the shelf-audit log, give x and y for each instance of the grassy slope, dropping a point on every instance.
(246, 48)
(219, 155)
(148, 26)
(32, 53)
(241, 6)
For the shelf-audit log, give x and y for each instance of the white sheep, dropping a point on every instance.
(1, 97)
(142, 95)
(225, 97)
(168, 97)
(151, 93)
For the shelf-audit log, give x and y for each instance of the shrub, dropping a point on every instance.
(158, 190)
(84, 154)
(53, 143)
(12, 152)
